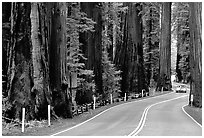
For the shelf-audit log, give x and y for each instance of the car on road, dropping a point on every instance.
(181, 89)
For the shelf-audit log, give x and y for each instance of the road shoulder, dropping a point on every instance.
(195, 113)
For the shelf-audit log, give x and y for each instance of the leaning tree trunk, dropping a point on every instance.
(195, 24)
(165, 48)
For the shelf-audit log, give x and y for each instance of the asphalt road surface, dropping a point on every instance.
(160, 116)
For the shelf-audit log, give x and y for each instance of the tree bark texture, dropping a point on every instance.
(49, 59)
(58, 64)
(19, 62)
(41, 88)
(195, 24)
(165, 48)
(37, 67)
(92, 42)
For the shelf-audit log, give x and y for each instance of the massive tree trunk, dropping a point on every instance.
(49, 59)
(165, 48)
(41, 89)
(19, 62)
(92, 42)
(58, 63)
(37, 61)
(195, 24)
(130, 58)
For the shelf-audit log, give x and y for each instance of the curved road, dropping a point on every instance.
(161, 115)
(168, 119)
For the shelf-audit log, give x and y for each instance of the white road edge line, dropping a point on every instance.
(143, 119)
(190, 116)
(106, 111)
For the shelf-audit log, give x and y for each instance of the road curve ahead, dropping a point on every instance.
(126, 119)
(168, 119)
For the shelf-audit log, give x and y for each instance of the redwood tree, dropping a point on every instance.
(129, 56)
(195, 24)
(19, 71)
(37, 66)
(165, 48)
(58, 63)
(92, 42)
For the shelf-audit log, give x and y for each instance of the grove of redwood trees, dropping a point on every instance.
(40, 39)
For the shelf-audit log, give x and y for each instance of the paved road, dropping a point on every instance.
(164, 118)
(168, 119)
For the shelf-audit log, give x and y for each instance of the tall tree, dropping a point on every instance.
(82, 78)
(92, 42)
(130, 55)
(58, 63)
(40, 19)
(195, 25)
(6, 14)
(151, 16)
(180, 22)
(36, 79)
(111, 76)
(19, 71)
(38, 74)
(165, 48)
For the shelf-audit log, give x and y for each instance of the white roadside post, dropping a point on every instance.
(48, 115)
(23, 118)
(111, 98)
(94, 104)
(125, 97)
(162, 90)
(191, 99)
(142, 93)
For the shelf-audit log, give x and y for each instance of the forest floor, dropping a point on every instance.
(60, 124)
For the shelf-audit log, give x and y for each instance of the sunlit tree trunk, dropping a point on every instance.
(36, 59)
